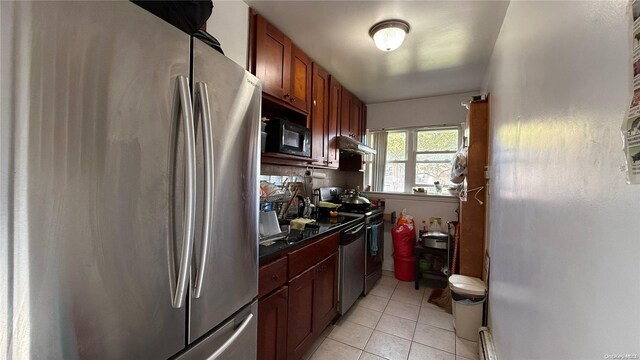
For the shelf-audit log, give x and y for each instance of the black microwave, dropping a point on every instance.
(285, 137)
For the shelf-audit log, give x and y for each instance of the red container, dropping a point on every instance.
(404, 239)
(404, 267)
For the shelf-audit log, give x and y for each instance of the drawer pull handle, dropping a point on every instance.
(275, 277)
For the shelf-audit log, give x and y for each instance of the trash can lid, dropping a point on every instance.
(467, 285)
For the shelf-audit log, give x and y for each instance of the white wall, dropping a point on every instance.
(421, 209)
(428, 111)
(229, 23)
(565, 229)
(434, 110)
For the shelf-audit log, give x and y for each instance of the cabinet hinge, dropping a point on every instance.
(487, 172)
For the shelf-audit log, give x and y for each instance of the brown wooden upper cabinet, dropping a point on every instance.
(319, 115)
(345, 112)
(325, 118)
(284, 69)
(363, 122)
(335, 95)
(356, 118)
(352, 121)
(300, 90)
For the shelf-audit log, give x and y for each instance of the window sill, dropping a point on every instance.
(445, 196)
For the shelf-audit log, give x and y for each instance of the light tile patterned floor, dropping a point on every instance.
(394, 322)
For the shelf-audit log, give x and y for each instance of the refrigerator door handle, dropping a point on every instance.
(184, 105)
(204, 110)
(231, 339)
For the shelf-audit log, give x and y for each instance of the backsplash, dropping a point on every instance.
(333, 177)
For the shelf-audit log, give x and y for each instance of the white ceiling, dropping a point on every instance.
(446, 51)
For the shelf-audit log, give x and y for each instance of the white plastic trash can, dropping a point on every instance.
(468, 295)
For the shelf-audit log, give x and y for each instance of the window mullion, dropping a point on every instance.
(410, 168)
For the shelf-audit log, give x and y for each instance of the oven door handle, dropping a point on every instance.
(377, 224)
(353, 232)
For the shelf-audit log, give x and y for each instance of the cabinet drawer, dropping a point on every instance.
(272, 276)
(302, 259)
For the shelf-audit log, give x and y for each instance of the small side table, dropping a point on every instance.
(437, 262)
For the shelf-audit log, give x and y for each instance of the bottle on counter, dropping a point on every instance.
(435, 224)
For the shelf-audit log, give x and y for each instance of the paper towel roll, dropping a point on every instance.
(315, 175)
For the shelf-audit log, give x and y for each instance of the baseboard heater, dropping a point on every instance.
(486, 350)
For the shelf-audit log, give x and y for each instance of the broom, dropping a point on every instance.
(442, 297)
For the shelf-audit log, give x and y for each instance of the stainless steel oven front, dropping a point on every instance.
(374, 254)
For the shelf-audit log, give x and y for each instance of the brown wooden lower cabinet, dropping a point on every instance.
(325, 290)
(312, 305)
(292, 317)
(300, 329)
(272, 325)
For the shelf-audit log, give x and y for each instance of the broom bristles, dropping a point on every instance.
(441, 298)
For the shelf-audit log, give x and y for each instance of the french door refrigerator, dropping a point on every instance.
(128, 184)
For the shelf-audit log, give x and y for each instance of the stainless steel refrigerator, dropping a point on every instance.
(128, 188)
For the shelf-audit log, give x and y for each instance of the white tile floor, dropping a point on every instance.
(393, 322)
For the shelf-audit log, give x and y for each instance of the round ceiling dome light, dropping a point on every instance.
(388, 35)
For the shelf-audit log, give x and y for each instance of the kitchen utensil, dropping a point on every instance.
(304, 206)
(285, 207)
(435, 240)
(351, 199)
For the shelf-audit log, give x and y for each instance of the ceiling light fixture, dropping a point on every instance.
(389, 34)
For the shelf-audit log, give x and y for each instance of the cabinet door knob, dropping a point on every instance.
(286, 96)
(293, 99)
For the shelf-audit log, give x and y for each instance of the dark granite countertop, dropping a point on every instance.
(300, 238)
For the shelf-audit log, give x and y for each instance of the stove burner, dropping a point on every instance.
(332, 194)
(372, 211)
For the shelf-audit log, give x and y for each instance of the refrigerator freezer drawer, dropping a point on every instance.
(236, 339)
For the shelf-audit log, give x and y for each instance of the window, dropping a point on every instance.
(410, 158)
(396, 164)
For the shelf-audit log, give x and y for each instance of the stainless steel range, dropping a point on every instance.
(374, 234)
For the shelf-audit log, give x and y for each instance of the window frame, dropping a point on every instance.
(411, 157)
(407, 156)
(416, 152)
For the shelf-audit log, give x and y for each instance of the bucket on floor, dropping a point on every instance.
(468, 295)
(404, 267)
(404, 239)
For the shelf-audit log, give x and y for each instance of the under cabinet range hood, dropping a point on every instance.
(351, 145)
